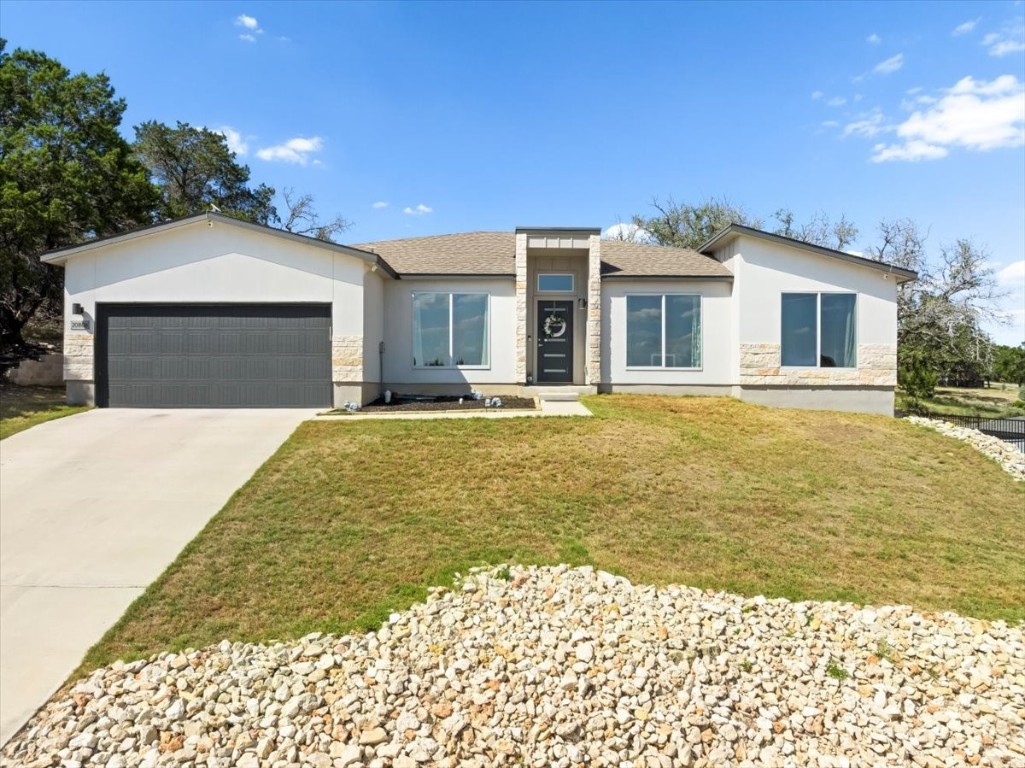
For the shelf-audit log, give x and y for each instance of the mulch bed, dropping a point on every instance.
(400, 404)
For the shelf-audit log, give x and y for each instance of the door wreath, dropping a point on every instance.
(555, 325)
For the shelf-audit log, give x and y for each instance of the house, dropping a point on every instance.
(210, 311)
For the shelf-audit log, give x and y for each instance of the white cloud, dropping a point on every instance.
(296, 151)
(974, 114)
(1010, 39)
(873, 39)
(816, 95)
(628, 232)
(1013, 275)
(236, 143)
(836, 101)
(830, 124)
(251, 27)
(868, 124)
(965, 27)
(910, 151)
(379, 205)
(420, 210)
(890, 65)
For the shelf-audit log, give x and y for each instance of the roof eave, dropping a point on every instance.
(713, 278)
(447, 275)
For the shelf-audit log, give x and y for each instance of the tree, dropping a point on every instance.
(302, 218)
(66, 175)
(940, 316)
(689, 226)
(1009, 364)
(194, 169)
(819, 231)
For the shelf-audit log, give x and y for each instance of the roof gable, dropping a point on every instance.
(60, 256)
(734, 231)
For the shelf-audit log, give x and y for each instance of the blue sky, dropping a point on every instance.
(422, 118)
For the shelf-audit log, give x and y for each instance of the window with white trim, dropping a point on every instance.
(451, 330)
(663, 330)
(819, 330)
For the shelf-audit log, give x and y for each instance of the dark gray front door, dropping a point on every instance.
(555, 342)
(213, 356)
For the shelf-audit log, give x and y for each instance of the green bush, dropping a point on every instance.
(918, 381)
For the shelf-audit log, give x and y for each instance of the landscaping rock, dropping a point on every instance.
(1002, 452)
(560, 666)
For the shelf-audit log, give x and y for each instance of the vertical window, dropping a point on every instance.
(450, 329)
(839, 346)
(819, 330)
(799, 344)
(663, 331)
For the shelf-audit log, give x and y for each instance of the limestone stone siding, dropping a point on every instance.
(79, 350)
(347, 358)
(521, 307)
(592, 352)
(877, 367)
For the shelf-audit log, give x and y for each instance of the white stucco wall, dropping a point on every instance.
(398, 332)
(212, 263)
(716, 332)
(765, 270)
(373, 324)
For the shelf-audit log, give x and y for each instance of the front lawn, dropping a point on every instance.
(351, 520)
(24, 407)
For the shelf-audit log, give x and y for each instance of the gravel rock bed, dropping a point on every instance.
(565, 667)
(1005, 454)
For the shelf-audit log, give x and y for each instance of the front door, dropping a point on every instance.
(555, 342)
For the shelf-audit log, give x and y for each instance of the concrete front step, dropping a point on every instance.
(558, 397)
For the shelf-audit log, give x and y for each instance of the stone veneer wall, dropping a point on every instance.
(79, 350)
(592, 350)
(347, 358)
(521, 308)
(877, 367)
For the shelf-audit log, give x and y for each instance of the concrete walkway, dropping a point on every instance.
(93, 507)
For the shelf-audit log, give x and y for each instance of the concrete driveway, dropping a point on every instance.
(93, 507)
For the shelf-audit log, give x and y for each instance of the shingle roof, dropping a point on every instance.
(468, 253)
(494, 253)
(623, 259)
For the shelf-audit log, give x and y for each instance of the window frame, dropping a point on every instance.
(662, 333)
(451, 309)
(572, 279)
(818, 331)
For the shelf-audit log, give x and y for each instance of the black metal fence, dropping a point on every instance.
(1011, 430)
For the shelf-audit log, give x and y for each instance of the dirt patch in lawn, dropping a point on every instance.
(401, 404)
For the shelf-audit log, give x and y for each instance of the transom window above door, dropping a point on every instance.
(551, 282)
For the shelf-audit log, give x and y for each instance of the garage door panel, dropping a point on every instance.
(214, 356)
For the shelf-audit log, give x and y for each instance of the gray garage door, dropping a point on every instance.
(227, 356)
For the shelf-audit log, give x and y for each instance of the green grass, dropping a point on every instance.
(351, 520)
(996, 401)
(24, 407)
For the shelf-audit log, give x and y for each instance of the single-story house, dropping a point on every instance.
(209, 311)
